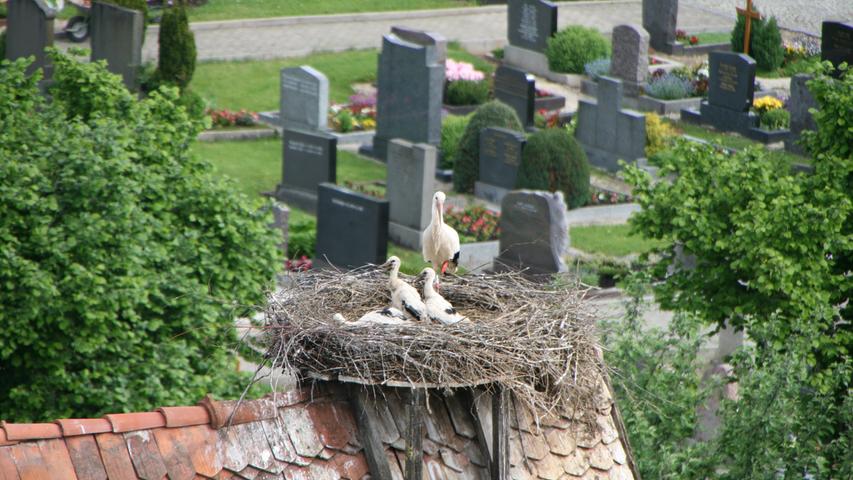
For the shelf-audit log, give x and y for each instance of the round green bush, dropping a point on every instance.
(553, 160)
(765, 42)
(573, 47)
(466, 166)
(452, 129)
(467, 92)
(176, 63)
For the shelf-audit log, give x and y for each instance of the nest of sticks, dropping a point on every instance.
(536, 340)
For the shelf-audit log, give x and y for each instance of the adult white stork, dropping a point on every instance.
(404, 297)
(386, 316)
(440, 241)
(437, 307)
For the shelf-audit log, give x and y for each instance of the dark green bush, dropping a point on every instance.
(776, 119)
(765, 42)
(575, 46)
(452, 129)
(553, 160)
(193, 103)
(123, 258)
(466, 166)
(302, 238)
(176, 64)
(467, 92)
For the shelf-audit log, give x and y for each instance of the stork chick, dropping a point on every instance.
(386, 316)
(437, 307)
(440, 241)
(404, 297)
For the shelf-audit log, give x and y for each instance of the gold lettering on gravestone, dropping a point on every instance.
(843, 40)
(728, 77)
(510, 156)
(491, 147)
(527, 27)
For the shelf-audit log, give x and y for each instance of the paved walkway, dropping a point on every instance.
(798, 15)
(477, 28)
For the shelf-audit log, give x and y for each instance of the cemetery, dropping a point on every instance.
(435, 257)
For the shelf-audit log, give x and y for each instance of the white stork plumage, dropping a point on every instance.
(440, 241)
(404, 297)
(386, 316)
(437, 307)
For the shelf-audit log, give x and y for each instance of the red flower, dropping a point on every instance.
(694, 40)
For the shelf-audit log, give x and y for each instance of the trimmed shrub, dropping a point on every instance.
(467, 92)
(658, 134)
(452, 129)
(597, 68)
(573, 47)
(765, 42)
(466, 165)
(669, 87)
(776, 119)
(553, 160)
(176, 64)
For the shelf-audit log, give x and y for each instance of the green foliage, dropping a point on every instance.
(2, 45)
(573, 47)
(466, 167)
(553, 160)
(452, 129)
(176, 63)
(775, 119)
(659, 134)
(834, 134)
(765, 42)
(123, 259)
(345, 121)
(467, 92)
(302, 237)
(192, 103)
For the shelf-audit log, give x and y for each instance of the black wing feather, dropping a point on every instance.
(412, 310)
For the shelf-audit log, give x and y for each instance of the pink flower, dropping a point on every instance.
(454, 70)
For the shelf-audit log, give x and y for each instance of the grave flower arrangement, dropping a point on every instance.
(680, 83)
(474, 223)
(224, 118)
(464, 85)
(682, 36)
(603, 197)
(771, 113)
(597, 68)
(357, 115)
(545, 119)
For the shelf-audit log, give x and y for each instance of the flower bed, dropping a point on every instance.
(464, 85)
(600, 196)
(359, 114)
(224, 118)
(474, 223)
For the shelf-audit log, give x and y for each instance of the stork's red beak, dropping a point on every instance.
(444, 267)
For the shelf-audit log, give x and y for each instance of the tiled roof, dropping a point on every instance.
(307, 434)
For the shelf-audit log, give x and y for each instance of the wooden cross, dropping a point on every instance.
(749, 13)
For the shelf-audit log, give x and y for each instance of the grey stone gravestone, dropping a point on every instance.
(304, 99)
(117, 35)
(731, 85)
(530, 23)
(659, 19)
(352, 228)
(534, 232)
(410, 87)
(517, 89)
(280, 223)
(836, 42)
(29, 30)
(308, 159)
(799, 103)
(409, 190)
(630, 59)
(606, 131)
(500, 157)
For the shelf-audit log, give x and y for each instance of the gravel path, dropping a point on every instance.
(799, 15)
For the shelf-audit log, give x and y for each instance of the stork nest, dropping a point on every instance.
(537, 340)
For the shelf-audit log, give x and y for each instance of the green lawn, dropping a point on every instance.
(733, 140)
(256, 165)
(713, 37)
(804, 65)
(234, 9)
(611, 240)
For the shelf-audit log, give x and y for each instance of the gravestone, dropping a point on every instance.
(836, 42)
(608, 133)
(304, 99)
(308, 159)
(630, 59)
(410, 88)
(731, 86)
(530, 23)
(117, 35)
(281, 224)
(409, 190)
(799, 103)
(659, 19)
(517, 89)
(500, 157)
(352, 228)
(534, 232)
(29, 30)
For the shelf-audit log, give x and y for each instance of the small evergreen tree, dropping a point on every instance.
(553, 160)
(765, 42)
(466, 167)
(176, 63)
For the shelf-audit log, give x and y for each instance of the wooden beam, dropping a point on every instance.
(415, 435)
(374, 450)
(480, 404)
(501, 403)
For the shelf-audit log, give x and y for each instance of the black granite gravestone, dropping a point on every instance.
(659, 19)
(29, 30)
(836, 42)
(531, 23)
(352, 228)
(309, 158)
(534, 232)
(799, 103)
(117, 35)
(517, 89)
(731, 85)
(500, 157)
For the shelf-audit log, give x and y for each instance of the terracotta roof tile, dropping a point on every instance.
(594, 474)
(184, 416)
(258, 449)
(618, 453)
(439, 427)
(394, 464)
(621, 472)
(576, 463)
(600, 457)
(454, 461)
(55, 455)
(145, 455)
(534, 446)
(115, 456)
(586, 435)
(550, 467)
(8, 470)
(607, 429)
(301, 430)
(460, 415)
(29, 463)
(475, 454)
(330, 424)
(560, 441)
(352, 467)
(174, 450)
(128, 422)
(234, 412)
(201, 441)
(231, 449)
(4, 440)
(84, 426)
(322, 471)
(279, 441)
(85, 457)
(30, 431)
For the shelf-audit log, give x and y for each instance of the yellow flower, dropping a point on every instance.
(368, 124)
(765, 104)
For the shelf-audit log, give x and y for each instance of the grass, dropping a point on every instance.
(611, 240)
(256, 165)
(789, 69)
(234, 9)
(707, 38)
(456, 52)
